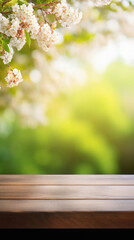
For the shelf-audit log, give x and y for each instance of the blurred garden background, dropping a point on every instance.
(74, 112)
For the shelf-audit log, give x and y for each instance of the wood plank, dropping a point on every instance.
(67, 201)
(67, 220)
(66, 192)
(67, 180)
(66, 205)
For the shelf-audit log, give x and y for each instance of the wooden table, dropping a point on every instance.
(66, 201)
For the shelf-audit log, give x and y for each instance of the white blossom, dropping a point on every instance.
(13, 78)
(4, 24)
(7, 57)
(66, 15)
(15, 26)
(46, 37)
(18, 42)
(25, 13)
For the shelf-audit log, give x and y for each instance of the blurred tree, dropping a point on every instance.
(87, 133)
(67, 118)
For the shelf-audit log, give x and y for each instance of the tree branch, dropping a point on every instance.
(45, 18)
(6, 12)
(4, 3)
(35, 6)
(45, 4)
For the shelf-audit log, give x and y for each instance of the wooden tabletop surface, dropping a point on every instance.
(67, 197)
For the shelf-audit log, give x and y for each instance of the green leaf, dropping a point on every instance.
(12, 2)
(28, 39)
(5, 45)
(7, 40)
(38, 1)
(20, 2)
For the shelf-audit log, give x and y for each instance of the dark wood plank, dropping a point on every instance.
(67, 180)
(65, 220)
(66, 192)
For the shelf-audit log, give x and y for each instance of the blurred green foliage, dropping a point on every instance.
(90, 128)
(90, 131)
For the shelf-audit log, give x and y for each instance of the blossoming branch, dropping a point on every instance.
(21, 21)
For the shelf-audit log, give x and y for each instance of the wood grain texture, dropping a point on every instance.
(67, 220)
(125, 180)
(66, 205)
(66, 193)
(67, 201)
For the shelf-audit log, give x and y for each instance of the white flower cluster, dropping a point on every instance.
(46, 37)
(4, 24)
(99, 3)
(23, 19)
(13, 78)
(66, 15)
(7, 57)
(28, 20)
